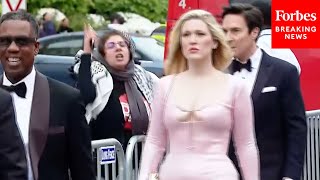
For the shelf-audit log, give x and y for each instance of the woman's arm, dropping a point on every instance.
(156, 140)
(244, 134)
(85, 85)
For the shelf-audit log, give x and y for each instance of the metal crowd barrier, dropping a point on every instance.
(109, 153)
(133, 156)
(312, 158)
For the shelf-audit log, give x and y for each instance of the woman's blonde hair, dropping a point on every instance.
(221, 56)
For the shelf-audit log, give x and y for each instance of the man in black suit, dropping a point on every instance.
(280, 121)
(50, 114)
(13, 162)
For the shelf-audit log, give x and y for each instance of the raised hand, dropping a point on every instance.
(89, 38)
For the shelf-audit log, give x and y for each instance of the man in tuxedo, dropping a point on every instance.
(13, 162)
(50, 114)
(280, 121)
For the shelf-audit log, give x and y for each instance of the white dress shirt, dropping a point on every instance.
(22, 108)
(250, 77)
(264, 42)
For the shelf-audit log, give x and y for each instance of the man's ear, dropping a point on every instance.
(36, 48)
(255, 33)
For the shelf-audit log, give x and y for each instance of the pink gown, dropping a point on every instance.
(197, 150)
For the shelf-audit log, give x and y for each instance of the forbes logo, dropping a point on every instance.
(281, 15)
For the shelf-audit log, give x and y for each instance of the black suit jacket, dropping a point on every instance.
(13, 162)
(280, 121)
(59, 137)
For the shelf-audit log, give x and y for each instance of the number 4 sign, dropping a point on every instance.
(182, 4)
(13, 5)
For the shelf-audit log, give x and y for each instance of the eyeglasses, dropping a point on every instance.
(19, 41)
(112, 45)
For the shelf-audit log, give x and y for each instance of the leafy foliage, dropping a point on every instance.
(156, 10)
(68, 7)
(76, 10)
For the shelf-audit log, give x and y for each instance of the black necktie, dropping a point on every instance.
(20, 89)
(237, 66)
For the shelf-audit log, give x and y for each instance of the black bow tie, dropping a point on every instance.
(20, 89)
(237, 66)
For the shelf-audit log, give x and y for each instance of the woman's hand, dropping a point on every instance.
(89, 38)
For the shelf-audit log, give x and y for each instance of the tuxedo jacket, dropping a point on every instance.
(59, 137)
(280, 121)
(13, 162)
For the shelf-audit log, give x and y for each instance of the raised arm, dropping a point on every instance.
(156, 140)
(244, 134)
(85, 85)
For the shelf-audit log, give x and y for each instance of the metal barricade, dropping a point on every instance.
(133, 149)
(312, 159)
(109, 151)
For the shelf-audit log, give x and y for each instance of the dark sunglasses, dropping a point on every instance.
(111, 45)
(19, 41)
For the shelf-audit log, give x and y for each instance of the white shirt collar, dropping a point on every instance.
(256, 58)
(29, 80)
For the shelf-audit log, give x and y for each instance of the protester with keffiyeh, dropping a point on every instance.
(117, 92)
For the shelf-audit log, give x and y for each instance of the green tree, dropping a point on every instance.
(68, 7)
(156, 10)
(75, 10)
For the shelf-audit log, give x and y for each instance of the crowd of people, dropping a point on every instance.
(226, 109)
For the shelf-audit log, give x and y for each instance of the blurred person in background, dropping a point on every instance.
(64, 26)
(116, 18)
(48, 25)
(41, 31)
(198, 108)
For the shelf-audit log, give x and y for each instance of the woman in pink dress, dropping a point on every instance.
(198, 108)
